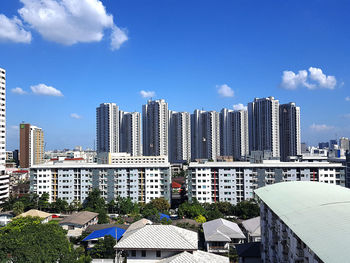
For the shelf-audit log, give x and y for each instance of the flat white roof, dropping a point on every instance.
(100, 166)
(265, 165)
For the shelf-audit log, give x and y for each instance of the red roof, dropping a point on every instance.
(73, 159)
(175, 185)
(20, 171)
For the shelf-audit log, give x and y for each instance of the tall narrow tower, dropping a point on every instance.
(180, 136)
(31, 143)
(107, 128)
(155, 125)
(130, 132)
(4, 179)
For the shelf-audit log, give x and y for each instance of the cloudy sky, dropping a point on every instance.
(65, 57)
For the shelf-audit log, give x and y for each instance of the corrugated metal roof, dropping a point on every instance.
(159, 237)
(252, 226)
(196, 257)
(80, 218)
(221, 230)
(318, 213)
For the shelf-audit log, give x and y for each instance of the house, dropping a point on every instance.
(220, 234)
(252, 229)
(249, 252)
(115, 232)
(37, 213)
(196, 257)
(78, 222)
(5, 218)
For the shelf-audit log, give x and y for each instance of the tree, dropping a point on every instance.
(247, 209)
(183, 194)
(102, 216)
(160, 204)
(125, 206)
(104, 248)
(43, 202)
(200, 219)
(94, 201)
(60, 206)
(191, 210)
(26, 239)
(18, 208)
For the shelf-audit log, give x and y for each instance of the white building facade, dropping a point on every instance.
(234, 182)
(73, 180)
(180, 136)
(155, 128)
(4, 178)
(107, 128)
(263, 117)
(130, 133)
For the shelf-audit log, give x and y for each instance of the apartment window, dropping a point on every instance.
(158, 253)
(133, 253)
(143, 253)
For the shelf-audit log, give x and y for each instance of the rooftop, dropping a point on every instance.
(221, 230)
(318, 213)
(80, 218)
(252, 226)
(34, 212)
(269, 163)
(196, 257)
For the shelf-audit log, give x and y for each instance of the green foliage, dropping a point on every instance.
(104, 248)
(247, 209)
(191, 210)
(166, 221)
(25, 239)
(125, 206)
(94, 201)
(160, 204)
(200, 219)
(60, 206)
(43, 202)
(102, 216)
(18, 208)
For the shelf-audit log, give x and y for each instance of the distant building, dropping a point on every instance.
(205, 132)
(344, 144)
(31, 145)
(76, 223)
(211, 182)
(221, 234)
(289, 125)
(46, 217)
(323, 145)
(179, 136)
(130, 133)
(303, 147)
(333, 144)
(304, 222)
(264, 133)
(155, 128)
(107, 128)
(252, 229)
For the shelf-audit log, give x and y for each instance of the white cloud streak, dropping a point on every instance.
(42, 89)
(320, 127)
(147, 94)
(18, 91)
(225, 91)
(75, 116)
(11, 30)
(347, 98)
(71, 21)
(312, 79)
(239, 106)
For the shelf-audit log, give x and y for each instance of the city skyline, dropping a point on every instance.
(191, 61)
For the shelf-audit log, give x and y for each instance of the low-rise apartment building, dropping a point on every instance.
(234, 182)
(71, 181)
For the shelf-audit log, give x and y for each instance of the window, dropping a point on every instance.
(158, 254)
(133, 253)
(143, 253)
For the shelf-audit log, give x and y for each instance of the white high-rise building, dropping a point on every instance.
(263, 117)
(234, 133)
(4, 179)
(155, 127)
(180, 136)
(205, 132)
(290, 144)
(130, 133)
(107, 127)
(344, 144)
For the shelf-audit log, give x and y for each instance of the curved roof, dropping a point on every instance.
(221, 230)
(318, 213)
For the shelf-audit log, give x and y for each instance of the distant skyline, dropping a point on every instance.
(64, 58)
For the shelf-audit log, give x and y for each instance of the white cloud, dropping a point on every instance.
(75, 116)
(42, 89)
(239, 106)
(347, 98)
(147, 94)
(327, 82)
(18, 91)
(320, 127)
(12, 30)
(313, 79)
(225, 91)
(71, 21)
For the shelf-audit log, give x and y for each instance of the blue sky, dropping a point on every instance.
(183, 51)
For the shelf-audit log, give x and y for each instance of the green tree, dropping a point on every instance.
(18, 208)
(43, 202)
(25, 239)
(94, 201)
(125, 206)
(104, 248)
(191, 210)
(60, 206)
(247, 209)
(200, 219)
(160, 204)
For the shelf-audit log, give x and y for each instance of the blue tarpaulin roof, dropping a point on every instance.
(115, 232)
(161, 216)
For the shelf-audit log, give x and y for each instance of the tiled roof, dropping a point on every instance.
(159, 237)
(34, 212)
(221, 230)
(196, 257)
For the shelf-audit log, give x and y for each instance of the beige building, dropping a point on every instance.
(31, 145)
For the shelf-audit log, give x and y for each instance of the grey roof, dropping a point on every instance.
(222, 230)
(165, 237)
(93, 228)
(318, 213)
(138, 224)
(196, 257)
(80, 218)
(252, 226)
